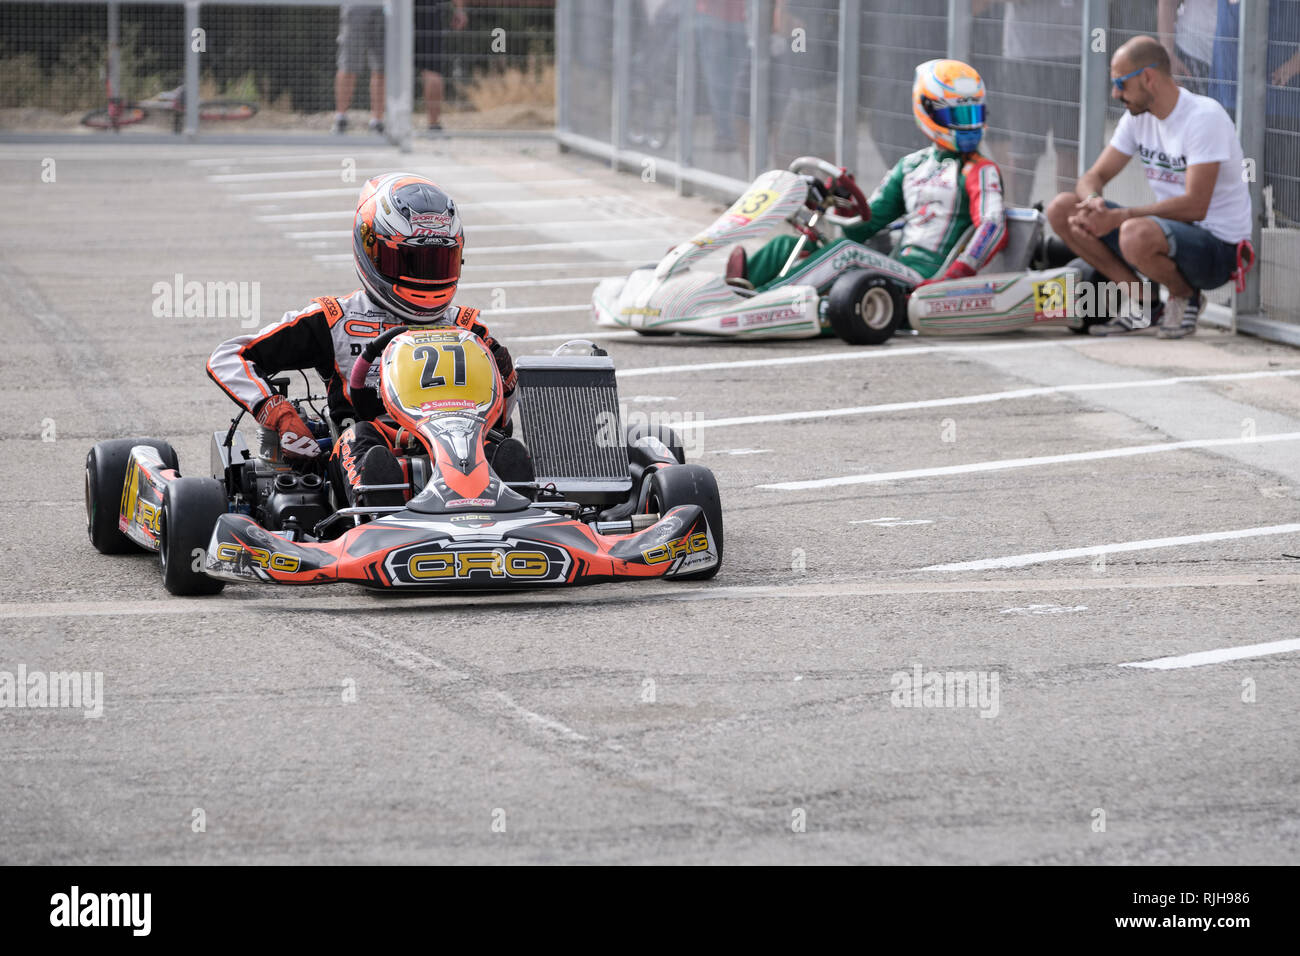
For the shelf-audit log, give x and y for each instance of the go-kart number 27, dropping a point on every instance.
(432, 357)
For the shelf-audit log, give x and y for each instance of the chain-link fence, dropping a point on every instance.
(712, 92)
(290, 66)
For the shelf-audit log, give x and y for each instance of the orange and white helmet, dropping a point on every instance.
(948, 103)
(408, 244)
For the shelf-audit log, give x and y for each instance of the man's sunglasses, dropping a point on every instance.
(1119, 81)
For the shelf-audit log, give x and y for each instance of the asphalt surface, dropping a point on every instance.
(750, 719)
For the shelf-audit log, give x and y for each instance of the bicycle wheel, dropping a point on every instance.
(102, 119)
(226, 110)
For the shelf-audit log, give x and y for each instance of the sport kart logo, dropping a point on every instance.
(430, 223)
(470, 503)
(473, 562)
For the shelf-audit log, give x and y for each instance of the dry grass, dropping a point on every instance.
(530, 86)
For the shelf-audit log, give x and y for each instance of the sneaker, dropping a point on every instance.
(1129, 322)
(376, 126)
(340, 124)
(1181, 315)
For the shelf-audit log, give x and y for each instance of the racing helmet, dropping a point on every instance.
(948, 103)
(408, 244)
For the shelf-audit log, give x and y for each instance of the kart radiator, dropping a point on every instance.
(568, 409)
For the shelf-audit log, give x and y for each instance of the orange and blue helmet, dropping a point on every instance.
(948, 103)
(408, 244)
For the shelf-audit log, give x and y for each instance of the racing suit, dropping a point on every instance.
(328, 336)
(942, 194)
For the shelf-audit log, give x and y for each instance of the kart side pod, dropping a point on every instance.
(1003, 302)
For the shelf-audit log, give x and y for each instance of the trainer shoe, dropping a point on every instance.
(1132, 321)
(1181, 315)
(340, 124)
(376, 126)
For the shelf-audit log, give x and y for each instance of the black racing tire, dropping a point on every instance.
(105, 473)
(652, 333)
(865, 307)
(663, 433)
(190, 509)
(689, 485)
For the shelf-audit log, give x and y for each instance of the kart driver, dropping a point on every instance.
(942, 189)
(408, 244)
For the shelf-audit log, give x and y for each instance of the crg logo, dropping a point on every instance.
(477, 563)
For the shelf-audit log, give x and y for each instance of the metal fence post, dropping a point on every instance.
(191, 70)
(621, 76)
(1252, 97)
(1094, 83)
(959, 30)
(846, 85)
(685, 91)
(563, 52)
(399, 71)
(760, 84)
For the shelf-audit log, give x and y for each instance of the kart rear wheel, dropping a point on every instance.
(865, 307)
(663, 433)
(105, 474)
(190, 508)
(689, 485)
(1087, 274)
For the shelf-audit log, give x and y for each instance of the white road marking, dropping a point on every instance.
(529, 283)
(565, 336)
(349, 599)
(547, 266)
(634, 398)
(470, 231)
(528, 247)
(1041, 557)
(1008, 463)
(1201, 658)
(892, 522)
(336, 173)
(1045, 609)
(452, 187)
(859, 355)
(741, 451)
(979, 399)
(541, 309)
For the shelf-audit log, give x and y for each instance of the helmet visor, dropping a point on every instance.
(421, 261)
(966, 116)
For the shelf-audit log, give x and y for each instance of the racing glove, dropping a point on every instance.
(295, 437)
(505, 364)
(958, 270)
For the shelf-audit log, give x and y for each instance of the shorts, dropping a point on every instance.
(361, 39)
(1205, 260)
(431, 21)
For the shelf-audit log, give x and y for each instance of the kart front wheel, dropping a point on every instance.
(190, 509)
(689, 485)
(864, 308)
(105, 474)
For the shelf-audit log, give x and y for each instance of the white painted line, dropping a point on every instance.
(547, 266)
(472, 232)
(307, 216)
(336, 173)
(563, 336)
(868, 354)
(451, 187)
(980, 399)
(892, 522)
(529, 247)
(1201, 658)
(541, 310)
(741, 451)
(1023, 560)
(1006, 463)
(529, 283)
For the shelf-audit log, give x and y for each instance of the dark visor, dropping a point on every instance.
(966, 116)
(425, 261)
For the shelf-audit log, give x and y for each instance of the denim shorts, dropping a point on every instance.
(1204, 260)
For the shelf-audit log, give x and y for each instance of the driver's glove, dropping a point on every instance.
(295, 437)
(816, 192)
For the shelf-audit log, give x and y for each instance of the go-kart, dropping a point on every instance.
(841, 287)
(598, 501)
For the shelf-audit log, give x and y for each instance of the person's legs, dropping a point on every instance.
(377, 95)
(432, 97)
(363, 457)
(1092, 250)
(344, 85)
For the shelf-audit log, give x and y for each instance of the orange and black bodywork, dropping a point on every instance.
(465, 528)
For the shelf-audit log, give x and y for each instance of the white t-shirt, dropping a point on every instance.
(1197, 131)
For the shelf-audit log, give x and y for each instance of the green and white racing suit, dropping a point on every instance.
(942, 194)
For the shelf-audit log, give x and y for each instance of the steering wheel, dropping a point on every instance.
(838, 176)
(357, 379)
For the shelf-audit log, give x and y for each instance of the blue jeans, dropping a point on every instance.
(1204, 260)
